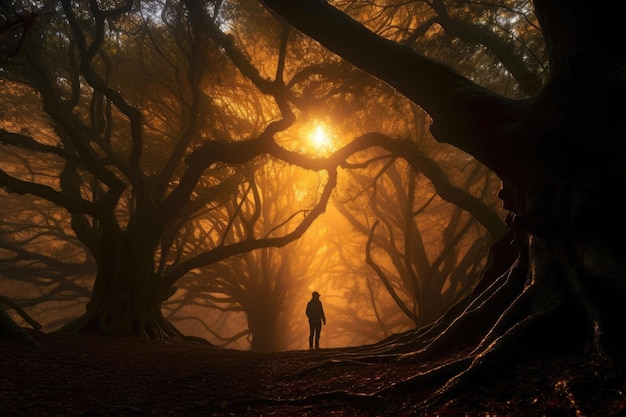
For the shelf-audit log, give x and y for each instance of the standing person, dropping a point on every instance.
(315, 313)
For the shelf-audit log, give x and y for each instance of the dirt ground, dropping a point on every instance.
(77, 375)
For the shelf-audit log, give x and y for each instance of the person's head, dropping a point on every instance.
(315, 295)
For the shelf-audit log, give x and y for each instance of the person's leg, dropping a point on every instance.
(318, 330)
(311, 334)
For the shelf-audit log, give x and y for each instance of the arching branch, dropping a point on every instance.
(222, 252)
(464, 114)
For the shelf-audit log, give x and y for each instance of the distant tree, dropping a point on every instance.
(428, 254)
(44, 268)
(557, 281)
(259, 283)
(358, 309)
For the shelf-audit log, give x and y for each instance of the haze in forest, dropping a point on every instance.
(119, 198)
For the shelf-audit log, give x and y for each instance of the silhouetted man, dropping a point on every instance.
(315, 313)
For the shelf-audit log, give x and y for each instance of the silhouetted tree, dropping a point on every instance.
(142, 127)
(260, 282)
(127, 205)
(427, 253)
(556, 283)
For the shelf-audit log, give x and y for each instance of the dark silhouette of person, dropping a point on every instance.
(315, 313)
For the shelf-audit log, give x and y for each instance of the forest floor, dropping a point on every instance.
(78, 375)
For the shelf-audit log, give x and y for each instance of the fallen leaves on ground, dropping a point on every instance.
(82, 375)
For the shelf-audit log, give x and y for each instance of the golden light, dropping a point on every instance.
(320, 140)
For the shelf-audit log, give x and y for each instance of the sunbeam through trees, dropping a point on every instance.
(442, 172)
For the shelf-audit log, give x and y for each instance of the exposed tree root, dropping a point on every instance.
(482, 362)
(109, 322)
(563, 388)
(454, 329)
(525, 314)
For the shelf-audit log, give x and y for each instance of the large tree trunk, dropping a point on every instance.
(266, 329)
(565, 200)
(267, 334)
(127, 294)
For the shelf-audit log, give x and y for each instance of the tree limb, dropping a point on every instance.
(464, 114)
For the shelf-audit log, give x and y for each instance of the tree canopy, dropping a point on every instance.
(186, 152)
(160, 119)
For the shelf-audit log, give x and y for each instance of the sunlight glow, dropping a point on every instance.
(320, 140)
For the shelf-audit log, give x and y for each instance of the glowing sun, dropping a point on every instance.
(320, 139)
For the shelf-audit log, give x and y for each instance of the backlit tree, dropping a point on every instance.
(557, 282)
